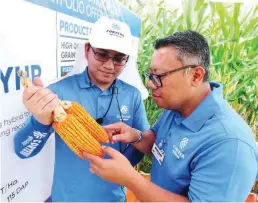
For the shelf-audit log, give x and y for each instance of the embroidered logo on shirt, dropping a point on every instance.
(124, 109)
(178, 152)
(124, 113)
(30, 148)
(183, 143)
(39, 135)
(27, 141)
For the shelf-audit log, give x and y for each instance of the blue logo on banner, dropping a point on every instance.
(31, 70)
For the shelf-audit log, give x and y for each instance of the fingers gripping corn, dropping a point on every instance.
(71, 127)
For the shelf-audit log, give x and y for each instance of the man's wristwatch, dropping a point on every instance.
(140, 136)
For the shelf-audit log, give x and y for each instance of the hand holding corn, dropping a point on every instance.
(39, 101)
(74, 125)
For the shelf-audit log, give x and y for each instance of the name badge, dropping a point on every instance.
(157, 153)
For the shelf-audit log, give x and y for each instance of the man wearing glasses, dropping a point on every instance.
(202, 149)
(105, 97)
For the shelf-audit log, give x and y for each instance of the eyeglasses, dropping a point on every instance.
(104, 57)
(156, 79)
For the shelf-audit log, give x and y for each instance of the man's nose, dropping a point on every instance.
(151, 85)
(109, 64)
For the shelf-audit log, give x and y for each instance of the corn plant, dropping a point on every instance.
(232, 33)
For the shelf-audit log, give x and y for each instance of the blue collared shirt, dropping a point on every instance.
(72, 179)
(211, 155)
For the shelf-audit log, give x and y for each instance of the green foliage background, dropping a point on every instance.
(232, 33)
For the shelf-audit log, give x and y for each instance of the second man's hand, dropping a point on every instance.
(117, 169)
(120, 132)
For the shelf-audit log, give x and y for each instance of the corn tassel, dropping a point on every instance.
(96, 130)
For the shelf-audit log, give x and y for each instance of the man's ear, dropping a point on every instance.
(198, 75)
(86, 49)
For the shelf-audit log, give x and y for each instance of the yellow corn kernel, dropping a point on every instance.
(76, 137)
(96, 130)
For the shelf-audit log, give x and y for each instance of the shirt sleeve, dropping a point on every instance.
(156, 125)
(29, 140)
(224, 172)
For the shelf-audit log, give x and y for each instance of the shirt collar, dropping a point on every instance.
(85, 82)
(205, 110)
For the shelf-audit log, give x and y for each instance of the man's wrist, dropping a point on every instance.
(140, 136)
(133, 181)
(39, 126)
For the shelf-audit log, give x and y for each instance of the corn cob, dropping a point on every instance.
(96, 130)
(77, 138)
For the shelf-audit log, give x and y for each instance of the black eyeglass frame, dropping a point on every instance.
(156, 78)
(108, 57)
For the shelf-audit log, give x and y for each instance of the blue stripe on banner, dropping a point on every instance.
(91, 10)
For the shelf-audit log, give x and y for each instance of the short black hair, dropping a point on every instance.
(191, 47)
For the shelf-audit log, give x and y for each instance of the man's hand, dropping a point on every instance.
(117, 169)
(40, 102)
(120, 132)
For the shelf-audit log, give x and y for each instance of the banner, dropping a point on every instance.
(43, 37)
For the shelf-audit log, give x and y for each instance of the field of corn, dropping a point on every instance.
(232, 33)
